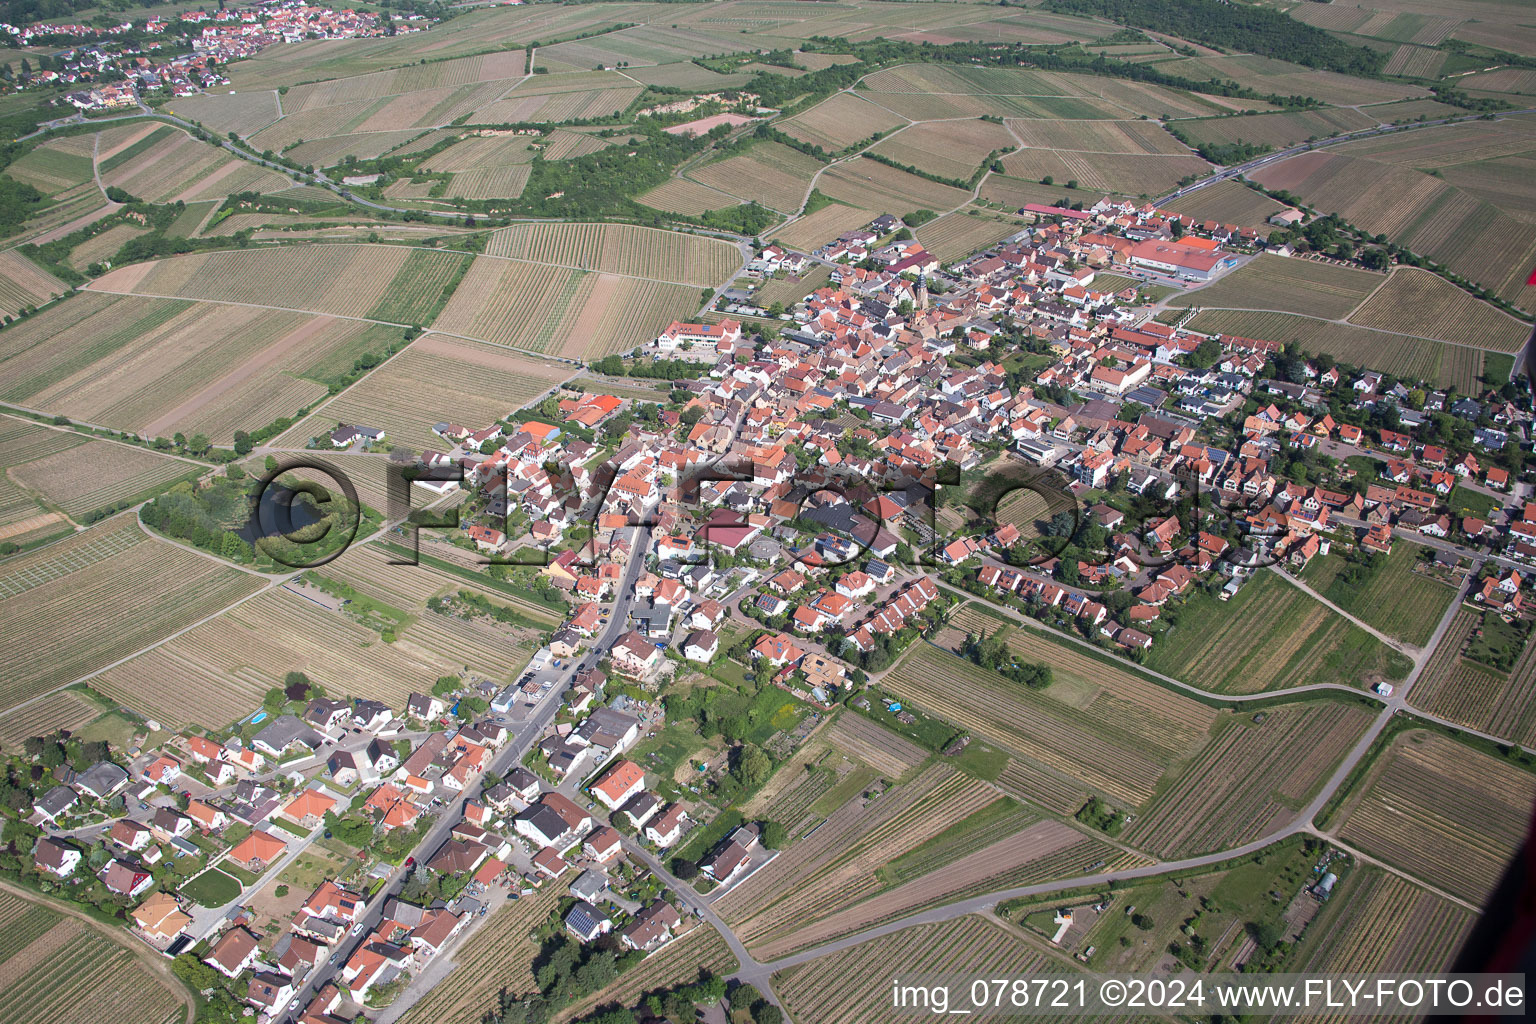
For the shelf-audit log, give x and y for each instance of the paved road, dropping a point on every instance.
(524, 736)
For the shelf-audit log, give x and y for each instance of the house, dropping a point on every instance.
(424, 707)
(727, 862)
(55, 802)
(651, 927)
(125, 879)
(102, 780)
(701, 645)
(163, 770)
(778, 650)
(206, 817)
(618, 784)
(132, 835)
(586, 922)
(667, 827)
(160, 917)
(55, 857)
(285, 732)
(234, 952)
(635, 656)
(309, 808)
(604, 844)
(257, 851)
(325, 714)
(269, 991)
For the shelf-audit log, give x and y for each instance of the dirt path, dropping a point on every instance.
(148, 957)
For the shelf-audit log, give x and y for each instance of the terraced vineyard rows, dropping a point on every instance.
(100, 474)
(678, 962)
(1419, 302)
(62, 710)
(1444, 813)
(1387, 925)
(620, 249)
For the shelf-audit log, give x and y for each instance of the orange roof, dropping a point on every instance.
(618, 779)
(311, 801)
(257, 845)
(489, 871)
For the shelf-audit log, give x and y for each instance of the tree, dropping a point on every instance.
(774, 835)
(242, 443)
(743, 996)
(764, 1012)
(686, 870)
(753, 766)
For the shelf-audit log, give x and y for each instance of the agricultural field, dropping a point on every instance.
(878, 188)
(359, 281)
(99, 596)
(436, 378)
(1229, 203)
(769, 173)
(1257, 772)
(950, 149)
(24, 284)
(1427, 214)
(680, 195)
(480, 152)
(828, 222)
(1015, 192)
(677, 963)
(163, 366)
(928, 91)
(963, 232)
(244, 113)
(1396, 600)
(560, 310)
(620, 249)
(854, 985)
(42, 980)
(1419, 302)
(497, 955)
(167, 165)
(1411, 357)
(1379, 922)
(1441, 811)
(1090, 732)
(1290, 286)
(1267, 75)
(56, 165)
(1475, 695)
(1279, 129)
(99, 475)
(840, 122)
(1271, 635)
(65, 709)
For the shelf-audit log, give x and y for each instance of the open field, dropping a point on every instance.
(1251, 779)
(1411, 357)
(963, 232)
(168, 165)
(879, 188)
(1396, 600)
(436, 378)
(23, 283)
(677, 963)
(60, 970)
(1229, 203)
(1267, 75)
(342, 279)
(56, 165)
(854, 986)
(1423, 303)
(100, 474)
(620, 249)
(1280, 129)
(951, 149)
(1471, 236)
(839, 122)
(1378, 922)
(99, 596)
(1100, 733)
(554, 309)
(1291, 285)
(496, 956)
(244, 113)
(1441, 811)
(1271, 635)
(1475, 695)
(164, 366)
(822, 226)
(927, 91)
(62, 710)
(679, 195)
(774, 175)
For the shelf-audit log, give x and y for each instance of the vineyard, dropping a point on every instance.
(1413, 358)
(99, 474)
(875, 745)
(1477, 696)
(23, 283)
(243, 113)
(1290, 285)
(1443, 812)
(620, 249)
(56, 165)
(175, 166)
(878, 188)
(435, 378)
(1382, 923)
(772, 174)
(497, 955)
(679, 195)
(853, 986)
(813, 229)
(1229, 203)
(834, 868)
(489, 183)
(1123, 137)
(1277, 129)
(1430, 305)
(58, 970)
(42, 717)
(1035, 726)
(677, 963)
(1272, 635)
(420, 287)
(950, 149)
(99, 596)
(1250, 780)
(1395, 599)
(839, 122)
(963, 232)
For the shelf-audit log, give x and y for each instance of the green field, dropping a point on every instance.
(1270, 635)
(212, 888)
(1395, 600)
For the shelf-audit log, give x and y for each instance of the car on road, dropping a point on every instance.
(357, 929)
(143, 806)
(410, 862)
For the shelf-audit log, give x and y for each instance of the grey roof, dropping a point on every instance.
(284, 732)
(101, 778)
(585, 919)
(589, 885)
(57, 800)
